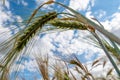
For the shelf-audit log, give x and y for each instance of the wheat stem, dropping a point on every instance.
(107, 54)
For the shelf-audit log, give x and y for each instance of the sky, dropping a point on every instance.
(60, 43)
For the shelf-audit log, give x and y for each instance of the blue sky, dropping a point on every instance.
(106, 11)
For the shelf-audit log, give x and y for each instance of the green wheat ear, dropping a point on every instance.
(68, 24)
(33, 29)
(22, 40)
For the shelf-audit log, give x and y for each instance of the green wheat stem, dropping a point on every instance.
(115, 47)
(106, 52)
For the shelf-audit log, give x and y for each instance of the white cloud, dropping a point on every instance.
(30, 65)
(89, 14)
(69, 45)
(100, 14)
(24, 3)
(80, 5)
(8, 16)
(5, 16)
(113, 25)
(38, 2)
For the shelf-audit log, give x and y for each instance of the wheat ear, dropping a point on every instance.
(68, 24)
(23, 39)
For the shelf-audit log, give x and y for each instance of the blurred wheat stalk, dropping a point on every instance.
(62, 70)
(76, 21)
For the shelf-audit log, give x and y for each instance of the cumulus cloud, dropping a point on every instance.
(7, 18)
(69, 42)
(24, 3)
(89, 14)
(81, 5)
(100, 14)
(113, 25)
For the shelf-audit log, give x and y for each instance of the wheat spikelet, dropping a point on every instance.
(69, 18)
(68, 24)
(22, 39)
